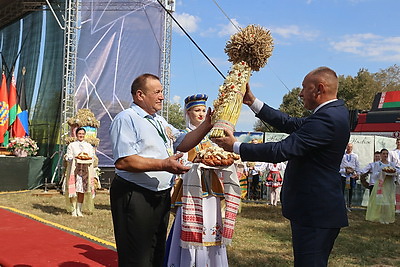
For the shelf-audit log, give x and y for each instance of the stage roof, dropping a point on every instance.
(12, 10)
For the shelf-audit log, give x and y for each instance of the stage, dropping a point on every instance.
(22, 173)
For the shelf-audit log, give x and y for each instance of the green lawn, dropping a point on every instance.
(262, 235)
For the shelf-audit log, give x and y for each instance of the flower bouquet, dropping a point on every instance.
(23, 146)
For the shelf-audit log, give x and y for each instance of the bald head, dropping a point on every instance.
(319, 86)
(349, 148)
(328, 78)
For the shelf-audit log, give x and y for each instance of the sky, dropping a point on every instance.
(345, 35)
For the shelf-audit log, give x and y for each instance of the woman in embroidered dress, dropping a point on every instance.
(212, 254)
(274, 180)
(381, 205)
(80, 175)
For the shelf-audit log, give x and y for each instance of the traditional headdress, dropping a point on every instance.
(195, 100)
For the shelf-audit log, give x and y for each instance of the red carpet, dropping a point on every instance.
(25, 242)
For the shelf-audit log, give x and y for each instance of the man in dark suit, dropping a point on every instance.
(312, 197)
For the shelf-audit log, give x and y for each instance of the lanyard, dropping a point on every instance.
(348, 157)
(158, 127)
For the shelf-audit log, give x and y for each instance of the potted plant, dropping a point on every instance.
(23, 146)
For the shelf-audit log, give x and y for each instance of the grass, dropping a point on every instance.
(262, 235)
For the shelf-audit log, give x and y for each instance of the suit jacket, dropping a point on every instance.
(312, 191)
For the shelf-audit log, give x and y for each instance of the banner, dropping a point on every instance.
(115, 46)
(365, 146)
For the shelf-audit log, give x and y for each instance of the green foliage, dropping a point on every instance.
(262, 235)
(176, 117)
(358, 92)
(260, 126)
(389, 79)
(291, 105)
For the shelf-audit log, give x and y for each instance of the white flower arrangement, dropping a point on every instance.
(23, 143)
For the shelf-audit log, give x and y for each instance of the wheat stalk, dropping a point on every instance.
(248, 50)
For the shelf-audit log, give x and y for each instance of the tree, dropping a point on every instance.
(260, 126)
(291, 105)
(389, 79)
(176, 117)
(358, 92)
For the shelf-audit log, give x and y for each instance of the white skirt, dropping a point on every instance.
(210, 256)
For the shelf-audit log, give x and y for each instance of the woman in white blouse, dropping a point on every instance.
(80, 173)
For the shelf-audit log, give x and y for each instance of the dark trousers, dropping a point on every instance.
(352, 185)
(254, 187)
(140, 217)
(312, 246)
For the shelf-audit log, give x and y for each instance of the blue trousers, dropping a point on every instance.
(312, 246)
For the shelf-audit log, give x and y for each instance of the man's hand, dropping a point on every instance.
(225, 142)
(349, 170)
(248, 98)
(173, 165)
(208, 116)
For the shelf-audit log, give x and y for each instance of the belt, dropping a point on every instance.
(133, 186)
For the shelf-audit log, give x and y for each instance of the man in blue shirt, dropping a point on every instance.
(143, 145)
(349, 170)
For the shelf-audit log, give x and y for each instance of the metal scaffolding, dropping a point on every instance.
(70, 28)
(69, 76)
(166, 56)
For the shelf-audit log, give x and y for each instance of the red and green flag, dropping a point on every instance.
(4, 111)
(389, 100)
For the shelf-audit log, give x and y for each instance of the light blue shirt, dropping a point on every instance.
(132, 133)
(349, 160)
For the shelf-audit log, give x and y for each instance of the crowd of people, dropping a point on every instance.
(307, 173)
(380, 177)
(261, 180)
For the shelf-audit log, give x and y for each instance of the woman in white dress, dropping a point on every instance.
(381, 205)
(212, 254)
(80, 175)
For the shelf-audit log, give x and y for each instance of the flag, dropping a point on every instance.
(21, 125)
(3, 107)
(389, 100)
(12, 102)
